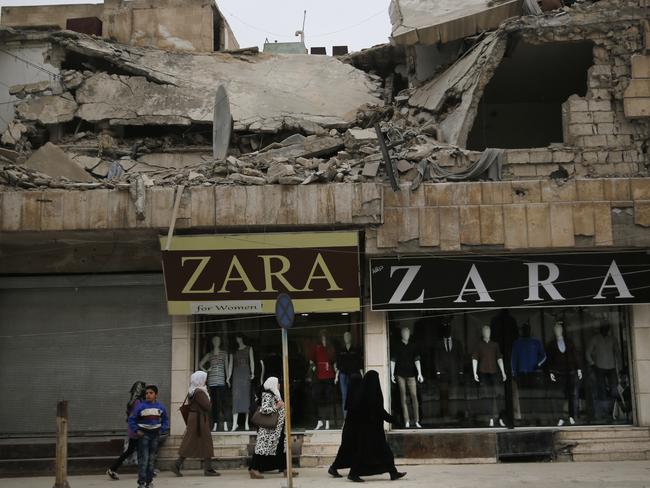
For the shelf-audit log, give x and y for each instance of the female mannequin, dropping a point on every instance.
(487, 362)
(322, 357)
(217, 362)
(405, 363)
(241, 372)
(564, 371)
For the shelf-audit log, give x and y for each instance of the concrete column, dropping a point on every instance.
(376, 349)
(182, 352)
(641, 361)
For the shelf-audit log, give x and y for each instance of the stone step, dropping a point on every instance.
(172, 452)
(618, 445)
(320, 450)
(316, 461)
(613, 456)
(605, 433)
(45, 466)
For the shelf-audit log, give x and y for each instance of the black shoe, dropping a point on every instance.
(176, 469)
(355, 478)
(397, 475)
(333, 472)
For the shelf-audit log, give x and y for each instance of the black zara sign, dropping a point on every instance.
(537, 280)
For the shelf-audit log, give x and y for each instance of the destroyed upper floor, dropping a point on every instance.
(185, 25)
(560, 94)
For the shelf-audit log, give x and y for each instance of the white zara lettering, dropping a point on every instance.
(404, 285)
(534, 283)
(479, 287)
(619, 283)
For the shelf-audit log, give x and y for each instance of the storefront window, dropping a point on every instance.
(324, 349)
(562, 366)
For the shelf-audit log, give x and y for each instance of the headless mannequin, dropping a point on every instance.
(246, 388)
(561, 343)
(324, 372)
(343, 371)
(449, 366)
(215, 381)
(407, 379)
(526, 360)
(485, 338)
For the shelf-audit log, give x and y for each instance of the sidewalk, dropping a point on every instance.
(627, 474)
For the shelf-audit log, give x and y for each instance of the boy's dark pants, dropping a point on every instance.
(147, 449)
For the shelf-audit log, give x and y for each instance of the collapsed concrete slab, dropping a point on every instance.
(267, 93)
(49, 109)
(454, 95)
(441, 21)
(52, 161)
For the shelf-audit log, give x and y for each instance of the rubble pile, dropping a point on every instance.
(115, 116)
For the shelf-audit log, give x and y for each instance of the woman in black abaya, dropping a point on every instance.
(372, 454)
(350, 435)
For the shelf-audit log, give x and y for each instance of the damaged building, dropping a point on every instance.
(483, 177)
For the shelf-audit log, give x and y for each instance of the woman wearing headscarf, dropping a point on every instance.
(197, 440)
(350, 433)
(372, 454)
(270, 445)
(136, 396)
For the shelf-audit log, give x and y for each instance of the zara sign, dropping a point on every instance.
(498, 281)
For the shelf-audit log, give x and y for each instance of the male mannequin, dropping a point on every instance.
(449, 366)
(487, 361)
(219, 362)
(405, 363)
(564, 370)
(321, 363)
(527, 357)
(348, 361)
(241, 372)
(603, 356)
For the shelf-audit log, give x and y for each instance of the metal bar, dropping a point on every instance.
(61, 470)
(387, 161)
(287, 406)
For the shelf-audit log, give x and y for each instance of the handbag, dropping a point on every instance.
(185, 409)
(265, 420)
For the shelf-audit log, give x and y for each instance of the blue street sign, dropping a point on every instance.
(284, 312)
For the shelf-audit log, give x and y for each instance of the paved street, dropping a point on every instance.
(631, 474)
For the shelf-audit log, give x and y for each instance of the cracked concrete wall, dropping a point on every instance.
(16, 72)
(48, 14)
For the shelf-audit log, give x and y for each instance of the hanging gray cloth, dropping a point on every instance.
(531, 7)
(490, 164)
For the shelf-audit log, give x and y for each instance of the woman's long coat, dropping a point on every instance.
(197, 441)
(268, 439)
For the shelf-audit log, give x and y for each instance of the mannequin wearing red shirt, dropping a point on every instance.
(321, 362)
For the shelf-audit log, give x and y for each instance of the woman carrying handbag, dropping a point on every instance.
(270, 445)
(197, 440)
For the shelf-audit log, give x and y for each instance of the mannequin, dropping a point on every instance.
(405, 363)
(348, 361)
(449, 366)
(321, 363)
(564, 370)
(218, 362)
(241, 371)
(505, 332)
(603, 357)
(487, 361)
(527, 358)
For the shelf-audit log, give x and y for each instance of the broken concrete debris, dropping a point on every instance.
(133, 117)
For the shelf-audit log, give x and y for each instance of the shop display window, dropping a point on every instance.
(324, 350)
(562, 366)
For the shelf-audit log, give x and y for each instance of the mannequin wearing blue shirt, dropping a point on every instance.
(527, 358)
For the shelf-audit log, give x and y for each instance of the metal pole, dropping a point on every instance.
(287, 406)
(61, 480)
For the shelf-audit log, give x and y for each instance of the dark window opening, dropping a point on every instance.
(81, 62)
(522, 104)
(216, 30)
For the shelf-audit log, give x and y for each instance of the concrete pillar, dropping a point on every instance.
(182, 360)
(641, 361)
(376, 349)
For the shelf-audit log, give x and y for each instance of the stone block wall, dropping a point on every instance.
(511, 215)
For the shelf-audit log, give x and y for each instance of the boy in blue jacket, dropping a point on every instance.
(149, 419)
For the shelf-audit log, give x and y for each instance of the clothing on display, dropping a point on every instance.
(527, 355)
(404, 356)
(241, 380)
(449, 356)
(487, 354)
